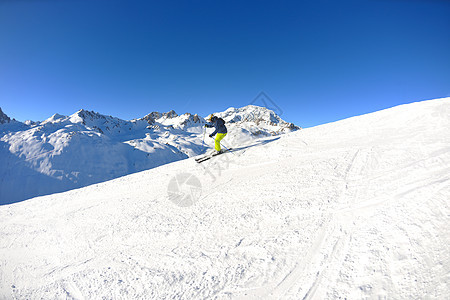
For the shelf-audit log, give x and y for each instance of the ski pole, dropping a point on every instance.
(203, 141)
(227, 149)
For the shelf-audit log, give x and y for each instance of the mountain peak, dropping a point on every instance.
(56, 118)
(170, 114)
(88, 116)
(255, 114)
(153, 116)
(3, 117)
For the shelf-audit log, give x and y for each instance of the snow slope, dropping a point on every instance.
(67, 152)
(355, 209)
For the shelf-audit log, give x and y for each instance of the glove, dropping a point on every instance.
(211, 135)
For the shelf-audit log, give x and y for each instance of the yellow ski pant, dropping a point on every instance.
(219, 137)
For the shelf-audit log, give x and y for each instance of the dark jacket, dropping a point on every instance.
(219, 124)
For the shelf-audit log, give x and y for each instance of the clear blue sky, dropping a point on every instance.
(318, 60)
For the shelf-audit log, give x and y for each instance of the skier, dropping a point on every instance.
(221, 131)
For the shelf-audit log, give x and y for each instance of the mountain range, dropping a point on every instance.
(67, 152)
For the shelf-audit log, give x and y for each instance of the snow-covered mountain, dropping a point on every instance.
(356, 209)
(253, 121)
(66, 152)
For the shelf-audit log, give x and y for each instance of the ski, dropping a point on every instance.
(209, 156)
(204, 157)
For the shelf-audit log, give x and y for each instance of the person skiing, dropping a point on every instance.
(221, 131)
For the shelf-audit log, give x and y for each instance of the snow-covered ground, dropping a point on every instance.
(67, 152)
(355, 209)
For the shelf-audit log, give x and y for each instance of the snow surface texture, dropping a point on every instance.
(67, 152)
(355, 209)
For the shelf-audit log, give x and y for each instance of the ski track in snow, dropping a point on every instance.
(355, 209)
